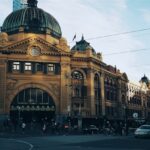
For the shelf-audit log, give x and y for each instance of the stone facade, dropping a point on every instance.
(59, 83)
(138, 100)
(40, 74)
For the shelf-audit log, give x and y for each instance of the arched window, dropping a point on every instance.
(77, 75)
(32, 104)
(79, 92)
(77, 84)
(110, 89)
(97, 87)
(107, 88)
(33, 96)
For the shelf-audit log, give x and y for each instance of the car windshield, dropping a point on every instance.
(145, 127)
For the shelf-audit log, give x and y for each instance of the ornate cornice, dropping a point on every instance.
(7, 52)
(90, 59)
(21, 47)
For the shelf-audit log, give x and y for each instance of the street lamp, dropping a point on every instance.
(69, 116)
(125, 113)
(69, 110)
(19, 108)
(125, 120)
(69, 90)
(69, 107)
(145, 111)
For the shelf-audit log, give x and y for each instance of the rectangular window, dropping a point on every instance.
(51, 67)
(16, 66)
(39, 67)
(28, 66)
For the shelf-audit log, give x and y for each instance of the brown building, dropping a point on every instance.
(40, 76)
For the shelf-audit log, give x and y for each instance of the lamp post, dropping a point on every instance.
(79, 118)
(125, 120)
(69, 107)
(69, 90)
(69, 116)
(18, 107)
(145, 111)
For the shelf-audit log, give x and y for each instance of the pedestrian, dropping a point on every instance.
(23, 126)
(126, 129)
(116, 132)
(120, 128)
(44, 128)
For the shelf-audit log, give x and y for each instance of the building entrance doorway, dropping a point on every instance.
(32, 104)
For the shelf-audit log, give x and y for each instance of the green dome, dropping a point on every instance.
(145, 80)
(82, 45)
(33, 20)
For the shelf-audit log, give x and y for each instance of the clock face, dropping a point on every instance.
(35, 51)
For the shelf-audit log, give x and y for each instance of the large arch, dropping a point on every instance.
(23, 87)
(32, 104)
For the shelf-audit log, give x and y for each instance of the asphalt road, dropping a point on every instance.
(87, 142)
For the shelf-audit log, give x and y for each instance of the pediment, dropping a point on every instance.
(24, 47)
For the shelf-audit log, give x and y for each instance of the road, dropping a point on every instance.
(80, 142)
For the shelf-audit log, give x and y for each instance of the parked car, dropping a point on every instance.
(142, 131)
(92, 129)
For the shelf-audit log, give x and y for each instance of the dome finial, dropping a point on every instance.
(82, 37)
(32, 3)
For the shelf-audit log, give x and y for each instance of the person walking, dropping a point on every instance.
(23, 126)
(44, 128)
(120, 128)
(126, 129)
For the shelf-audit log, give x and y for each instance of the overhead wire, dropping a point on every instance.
(117, 34)
(127, 51)
(140, 65)
(126, 38)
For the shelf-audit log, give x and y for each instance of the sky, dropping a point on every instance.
(96, 20)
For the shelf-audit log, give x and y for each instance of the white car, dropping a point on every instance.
(92, 129)
(142, 131)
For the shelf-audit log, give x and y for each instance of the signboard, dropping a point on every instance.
(32, 108)
(68, 108)
(135, 115)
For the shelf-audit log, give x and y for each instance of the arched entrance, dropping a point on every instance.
(32, 104)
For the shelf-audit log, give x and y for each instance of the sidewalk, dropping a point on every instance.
(29, 133)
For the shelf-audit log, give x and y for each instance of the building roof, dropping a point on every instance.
(82, 45)
(145, 80)
(32, 20)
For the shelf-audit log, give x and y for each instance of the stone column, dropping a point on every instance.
(90, 90)
(2, 85)
(120, 109)
(102, 94)
(65, 89)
